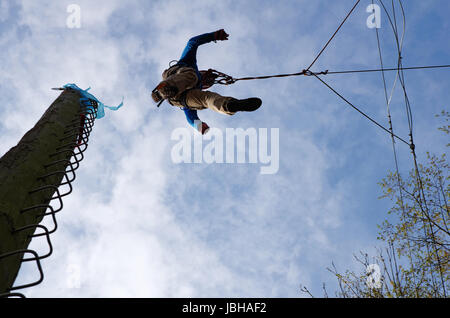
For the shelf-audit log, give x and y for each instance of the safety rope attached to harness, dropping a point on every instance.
(224, 79)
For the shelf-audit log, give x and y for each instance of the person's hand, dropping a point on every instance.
(204, 128)
(221, 35)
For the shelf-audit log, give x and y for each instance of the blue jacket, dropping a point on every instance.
(189, 58)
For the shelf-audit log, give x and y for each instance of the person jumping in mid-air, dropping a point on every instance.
(183, 83)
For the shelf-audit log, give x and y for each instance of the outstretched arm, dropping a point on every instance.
(194, 121)
(190, 51)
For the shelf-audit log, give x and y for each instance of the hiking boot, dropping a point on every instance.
(244, 105)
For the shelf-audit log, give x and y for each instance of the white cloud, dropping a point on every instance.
(138, 225)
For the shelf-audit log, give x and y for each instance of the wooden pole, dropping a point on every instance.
(24, 194)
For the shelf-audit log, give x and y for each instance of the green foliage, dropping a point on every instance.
(415, 260)
(446, 127)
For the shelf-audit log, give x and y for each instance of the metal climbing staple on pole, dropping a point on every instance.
(35, 175)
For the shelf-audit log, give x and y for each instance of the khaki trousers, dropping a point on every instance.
(198, 99)
(185, 78)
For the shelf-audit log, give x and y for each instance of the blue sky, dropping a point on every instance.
(138, 225)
